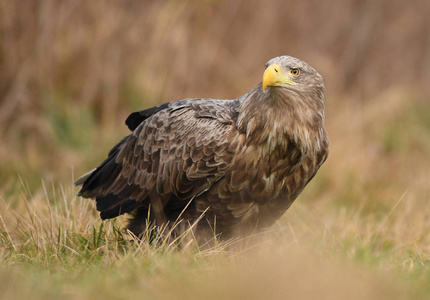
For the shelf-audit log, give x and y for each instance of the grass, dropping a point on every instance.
(54, 246)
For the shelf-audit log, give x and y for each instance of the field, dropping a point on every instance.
(70, 74)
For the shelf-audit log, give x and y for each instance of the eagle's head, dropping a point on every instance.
(286, 74)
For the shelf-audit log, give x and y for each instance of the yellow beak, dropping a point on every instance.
(273, 77)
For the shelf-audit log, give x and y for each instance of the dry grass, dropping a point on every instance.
(71, 71)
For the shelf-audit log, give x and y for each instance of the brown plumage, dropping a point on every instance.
(240, 162)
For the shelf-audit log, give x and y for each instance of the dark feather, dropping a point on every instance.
(126, 207)
(106, 202)
(136, 118)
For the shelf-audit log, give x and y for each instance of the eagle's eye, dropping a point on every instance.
(295, 72)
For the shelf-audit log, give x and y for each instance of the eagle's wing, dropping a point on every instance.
(176, 149)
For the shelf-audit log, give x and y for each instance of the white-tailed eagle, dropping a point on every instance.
(240, 162)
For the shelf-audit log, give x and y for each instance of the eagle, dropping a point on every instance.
(228, 167)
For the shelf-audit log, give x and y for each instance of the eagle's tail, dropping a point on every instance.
(80, 181)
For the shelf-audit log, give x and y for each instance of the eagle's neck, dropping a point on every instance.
(280, 117)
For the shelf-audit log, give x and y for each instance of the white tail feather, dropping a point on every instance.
(80, 181)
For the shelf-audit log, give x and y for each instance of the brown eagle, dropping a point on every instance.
(232, 165)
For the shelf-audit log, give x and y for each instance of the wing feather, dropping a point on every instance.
(175, 149)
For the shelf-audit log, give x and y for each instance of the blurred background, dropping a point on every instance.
(72, 71)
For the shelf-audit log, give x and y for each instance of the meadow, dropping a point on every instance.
(70, 73)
